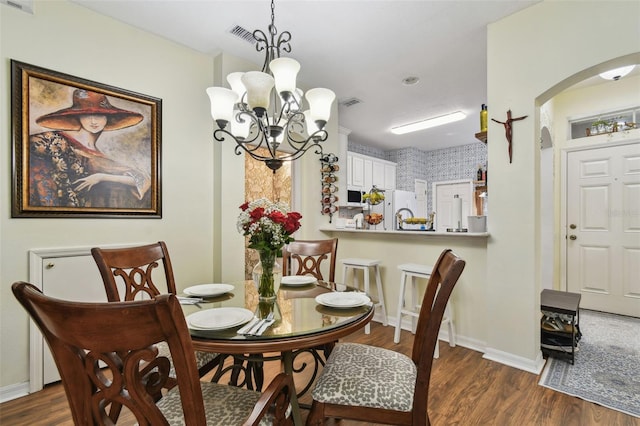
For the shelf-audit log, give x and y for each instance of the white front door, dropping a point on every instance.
(603, 228)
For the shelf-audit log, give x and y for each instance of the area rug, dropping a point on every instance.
(607, 364)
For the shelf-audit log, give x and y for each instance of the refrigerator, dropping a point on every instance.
(395, 200)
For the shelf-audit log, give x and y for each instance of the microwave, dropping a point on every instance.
(354, 197)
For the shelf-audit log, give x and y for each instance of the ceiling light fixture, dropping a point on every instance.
(617, 74)
(428, 123)
(255, 116)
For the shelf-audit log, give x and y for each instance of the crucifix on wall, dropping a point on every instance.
(508, 130)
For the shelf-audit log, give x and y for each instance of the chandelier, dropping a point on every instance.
(255, 116)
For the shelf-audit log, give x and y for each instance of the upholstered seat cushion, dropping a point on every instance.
(362, 375)
(202, 358)
(224, 405)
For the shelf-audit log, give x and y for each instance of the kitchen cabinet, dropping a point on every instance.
(365, 171)
(368, 174)
(389, 176)
(356, 170)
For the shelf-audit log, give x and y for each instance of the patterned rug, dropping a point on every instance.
(607, 364)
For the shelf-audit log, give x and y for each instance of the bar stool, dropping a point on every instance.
(414, 271)
(364, 265)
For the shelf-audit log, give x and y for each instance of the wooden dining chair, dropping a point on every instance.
(108, 358)
(376, 385)
(309, 256)
(133, 273)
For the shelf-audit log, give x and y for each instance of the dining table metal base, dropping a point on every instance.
(248, 371)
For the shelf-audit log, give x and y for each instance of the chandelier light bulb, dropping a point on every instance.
(285, 71)
(235, 81)
(312, 127)
(240, 125)
(222, 102)
(320, 101)
(259, 85)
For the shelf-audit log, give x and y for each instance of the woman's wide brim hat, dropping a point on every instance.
(89, 103)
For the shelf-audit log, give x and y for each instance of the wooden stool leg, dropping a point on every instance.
(383, 305)
(452, 332)
(356, 280)
(414, 303)
(345, 271)
(403, 284)
(367, 328)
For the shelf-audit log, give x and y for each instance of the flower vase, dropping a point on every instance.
(267, 275)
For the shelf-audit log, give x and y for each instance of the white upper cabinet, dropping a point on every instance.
(356, 171)
(365, 171)
(390, 176)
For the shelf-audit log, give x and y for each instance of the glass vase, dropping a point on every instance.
(267, 275)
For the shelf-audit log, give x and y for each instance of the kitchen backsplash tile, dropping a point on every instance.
(454, 163)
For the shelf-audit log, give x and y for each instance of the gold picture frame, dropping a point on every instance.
(83, 148)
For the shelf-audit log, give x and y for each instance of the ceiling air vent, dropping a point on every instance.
(24, 5)
(243, 34)
(350, 102)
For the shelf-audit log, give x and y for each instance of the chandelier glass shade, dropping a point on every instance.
(265, 109)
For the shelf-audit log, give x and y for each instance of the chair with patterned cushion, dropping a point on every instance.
(376, 385)
(106, 363)
(308, 255)
(129, 273)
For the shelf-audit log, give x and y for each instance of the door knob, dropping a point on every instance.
(572, 226)
(573, 237)
(50, 265)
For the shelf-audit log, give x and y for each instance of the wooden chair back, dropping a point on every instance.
(309, 255)
(129, 273)
(123, 336)
(443, 279)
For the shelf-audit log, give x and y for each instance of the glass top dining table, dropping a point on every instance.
(301, 325)
(300, 321)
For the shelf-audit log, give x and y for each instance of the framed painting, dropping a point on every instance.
(82, 148)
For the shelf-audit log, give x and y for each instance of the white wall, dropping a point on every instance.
(530, 54)
(71, 39)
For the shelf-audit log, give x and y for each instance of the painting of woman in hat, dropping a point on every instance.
(67, 168)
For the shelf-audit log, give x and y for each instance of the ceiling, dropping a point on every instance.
(360, 49)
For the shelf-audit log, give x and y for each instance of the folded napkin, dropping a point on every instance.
(189, 300)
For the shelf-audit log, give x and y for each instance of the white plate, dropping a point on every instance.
(208, 290)
(342, 299)
(298, 280)
(219, 318)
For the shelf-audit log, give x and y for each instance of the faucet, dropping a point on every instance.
(399, 217)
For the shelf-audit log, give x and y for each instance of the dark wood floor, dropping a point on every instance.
(465, 390)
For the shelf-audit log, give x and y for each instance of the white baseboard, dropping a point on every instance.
(532, 366)
(17, 390)
(515, 361)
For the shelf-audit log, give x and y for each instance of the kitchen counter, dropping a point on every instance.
(410, 233)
